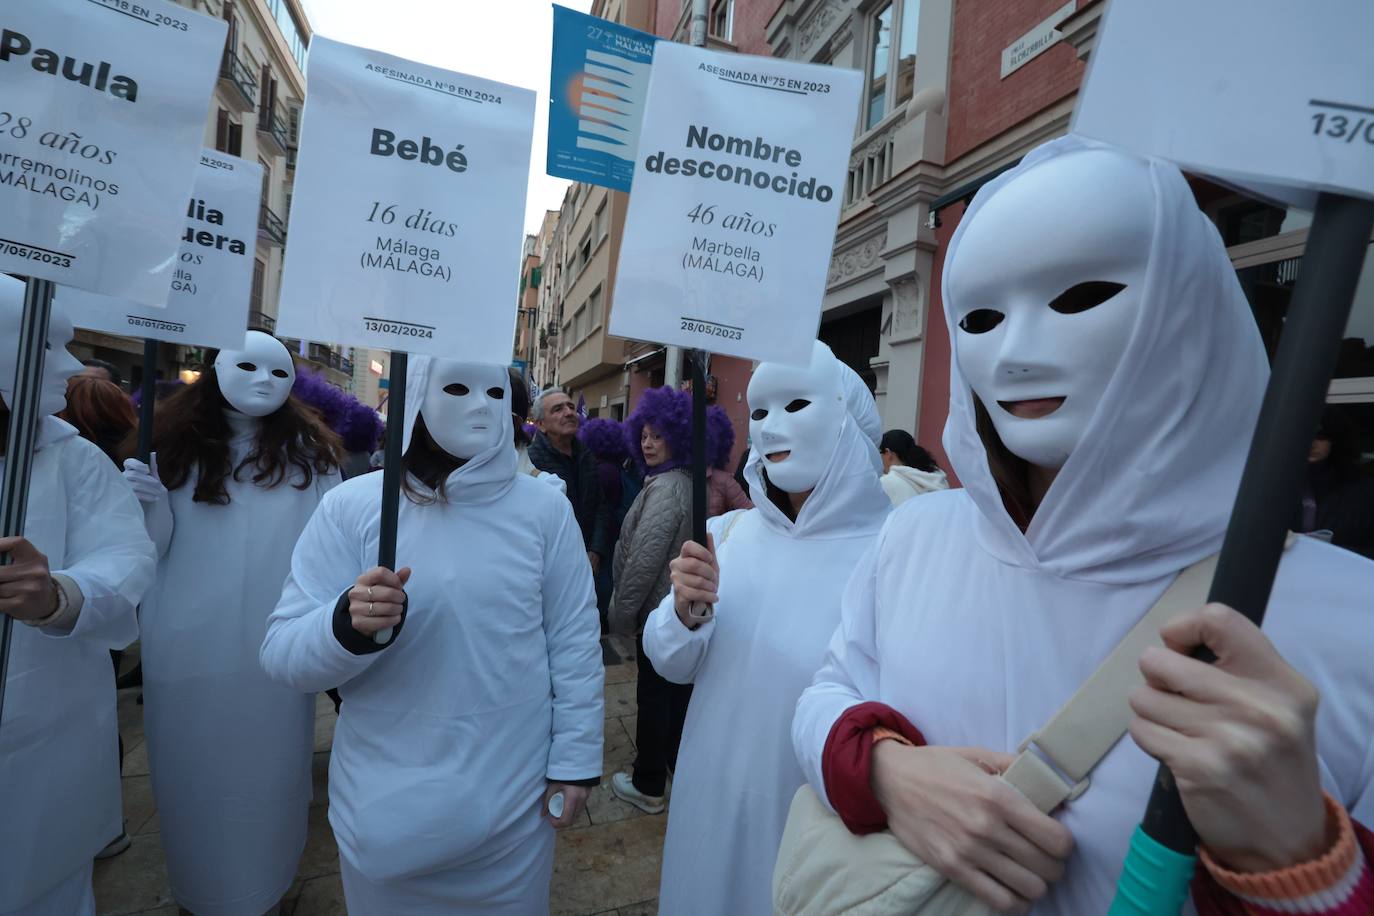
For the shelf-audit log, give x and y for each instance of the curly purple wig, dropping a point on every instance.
(605, 438)
(669, 412)
(720, 437)
(356, 423)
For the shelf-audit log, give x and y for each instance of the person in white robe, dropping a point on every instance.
(1106, 377)
(471, 676)
(71, 585)
(239, 466)
(774, 578)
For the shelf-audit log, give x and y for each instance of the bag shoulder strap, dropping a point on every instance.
(1054, 762)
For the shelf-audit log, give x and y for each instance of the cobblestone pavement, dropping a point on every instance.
(608, 864)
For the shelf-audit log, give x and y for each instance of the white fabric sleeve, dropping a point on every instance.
(159, 523)
(300, 649)
(108, 554)
(677, 652)
(848, 677)
(572, 632)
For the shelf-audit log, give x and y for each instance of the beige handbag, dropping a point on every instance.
(824, 870)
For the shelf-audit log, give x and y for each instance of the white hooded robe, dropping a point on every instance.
(780, 585)
(978, 633)
(448, 736)
(59, 742)
(228, 750)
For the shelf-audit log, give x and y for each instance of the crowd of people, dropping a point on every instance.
(835, 635)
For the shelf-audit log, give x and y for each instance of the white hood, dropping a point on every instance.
(903, 482)
(485, 476)
(1150, 488)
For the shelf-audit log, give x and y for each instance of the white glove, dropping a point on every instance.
(144, 480)
(157, 506)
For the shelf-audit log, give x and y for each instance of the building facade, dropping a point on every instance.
(255, 115)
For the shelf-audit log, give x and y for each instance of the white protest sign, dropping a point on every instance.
(101, 124)
(1274, 95)
(737, 190)
(408, 214)
(208, 305)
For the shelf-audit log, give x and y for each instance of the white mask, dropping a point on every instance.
(1046, 288)
(795, 419)
(256, 380)
(58, 364)
(463, 406)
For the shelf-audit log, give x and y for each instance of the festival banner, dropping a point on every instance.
(102, 118)
(407, 217)
(597, 85)
(208, 304)
(737, 192)
(1300, 125)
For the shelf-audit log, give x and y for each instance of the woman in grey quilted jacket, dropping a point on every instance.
(658, 435)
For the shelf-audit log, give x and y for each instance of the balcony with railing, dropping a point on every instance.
(273, 138)
(271, 227)
(241, 87)
(325, 356)
(261, 321)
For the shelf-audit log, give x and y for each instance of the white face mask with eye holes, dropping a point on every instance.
(795, 419)
(58, 363)
(256, 380)
(1047, 283)
(463, 406)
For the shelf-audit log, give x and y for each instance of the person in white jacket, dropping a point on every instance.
(229, 751)
(908, 469)
(71, 585)
(775, 577)
(1106, 377)
(474, 726)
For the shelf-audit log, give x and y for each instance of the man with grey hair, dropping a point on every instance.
(557, 450)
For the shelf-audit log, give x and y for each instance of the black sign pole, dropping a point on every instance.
(148, 394)
(391, 469)
(697, 361)
(23, 436)
(1159, 865)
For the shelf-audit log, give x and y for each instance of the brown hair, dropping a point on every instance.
(191, 434)
(430, 464)
(1010, 472)
(101, 413)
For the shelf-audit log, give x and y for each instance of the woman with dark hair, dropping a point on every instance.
(239, 466)
(101, 413)
(659, 437)
(908, 469)
(472, 678)
(1338, 494)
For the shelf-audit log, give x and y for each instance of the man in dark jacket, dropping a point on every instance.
(557, 450)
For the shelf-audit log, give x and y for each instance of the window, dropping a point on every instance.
(579, 325)
(286, 22)
(259, 281)
(723, 19)
(891, 76)
(594, 308)
(266, 184)
(585, 250)
(599, 224)
(228, 134)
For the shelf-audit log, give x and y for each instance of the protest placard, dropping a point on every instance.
(101, 124)
(407, 216)
(737, 192)
(208, 302)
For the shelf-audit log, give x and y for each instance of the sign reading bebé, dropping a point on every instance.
(737, 191)
(102, 116)
(407, 216)
(208, 304)
(1267, 94)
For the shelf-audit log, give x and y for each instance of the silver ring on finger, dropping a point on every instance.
(369, 593)
(369, 609)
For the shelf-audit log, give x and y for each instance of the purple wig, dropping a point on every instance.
(362, 430)
(356, 423)
(605, 438)
(669, 412)
(720, 437)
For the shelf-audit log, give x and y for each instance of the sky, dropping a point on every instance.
(504, 40)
